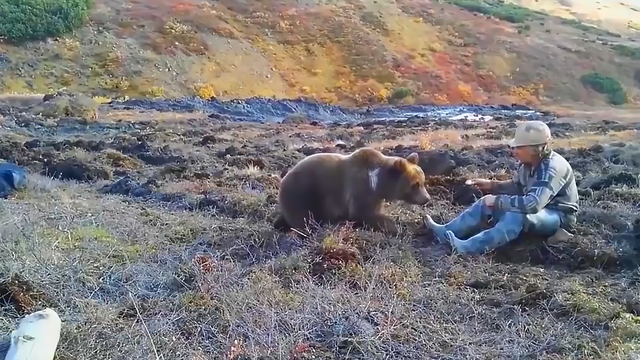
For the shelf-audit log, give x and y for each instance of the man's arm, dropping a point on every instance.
(507, 187)
(512, 186)
(548, 182)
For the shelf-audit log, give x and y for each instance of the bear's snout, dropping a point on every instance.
(422, 197)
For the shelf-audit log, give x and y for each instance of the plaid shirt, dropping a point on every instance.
(549, 185)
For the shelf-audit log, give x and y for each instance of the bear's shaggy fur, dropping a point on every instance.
(331, 188)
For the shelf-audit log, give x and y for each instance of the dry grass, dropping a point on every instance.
(114, 272)
(152, 115)
(429, 140)
(589, 140)
(454, 138)
(568, 112)
(173, 276)
(21, 100)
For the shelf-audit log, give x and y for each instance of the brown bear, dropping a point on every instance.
(331, 188)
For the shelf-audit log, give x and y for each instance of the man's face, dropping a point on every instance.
(524, 154)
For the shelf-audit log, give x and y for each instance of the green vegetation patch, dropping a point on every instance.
(589, 28)
(499, 9)
(628, 51)
(401, 93)
(605, 85)
(25, 20)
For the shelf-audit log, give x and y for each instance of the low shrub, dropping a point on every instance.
(401, 93)
(25, 20)
(628, 51)
(499, 9)
(576, 24)
(606, 85)
(73, 105)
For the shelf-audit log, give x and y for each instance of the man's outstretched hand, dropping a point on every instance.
(482, 184)
(486, 186)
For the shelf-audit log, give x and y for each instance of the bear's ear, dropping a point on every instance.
(413, 158)
(399, 167)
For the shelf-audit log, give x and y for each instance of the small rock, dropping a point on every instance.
(32, 144)
(597, 148)
(128, 186)
(208, 139)
(399, 148)
(296, 119)
(359, 144)
(231, 150)
(341, 145)
(437, 163)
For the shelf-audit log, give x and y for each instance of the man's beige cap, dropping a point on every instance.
(531, 133)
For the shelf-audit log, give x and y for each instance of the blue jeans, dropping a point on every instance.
(12, 178)
(508, 226)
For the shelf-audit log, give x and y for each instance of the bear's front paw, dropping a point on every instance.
(383, 224)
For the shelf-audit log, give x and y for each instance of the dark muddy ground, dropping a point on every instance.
(164, 226)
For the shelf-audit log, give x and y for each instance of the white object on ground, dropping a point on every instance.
(471, 117)
(36, 337)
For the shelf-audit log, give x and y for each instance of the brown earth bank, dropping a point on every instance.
(347, 52)
(150, 233)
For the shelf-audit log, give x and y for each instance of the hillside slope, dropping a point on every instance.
(619, 16)
(351, 52)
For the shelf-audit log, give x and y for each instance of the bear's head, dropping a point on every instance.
(406, 180)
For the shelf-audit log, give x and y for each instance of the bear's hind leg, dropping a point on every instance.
(302, 220)
(303, 211)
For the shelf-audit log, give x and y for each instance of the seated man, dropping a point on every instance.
(542, 198)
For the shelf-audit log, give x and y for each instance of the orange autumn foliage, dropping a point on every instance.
(328, 52)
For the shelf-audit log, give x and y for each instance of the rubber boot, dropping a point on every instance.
(506, 230)
(462, 225)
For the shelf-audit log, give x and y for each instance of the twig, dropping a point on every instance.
(153, 346)
(299, 232)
